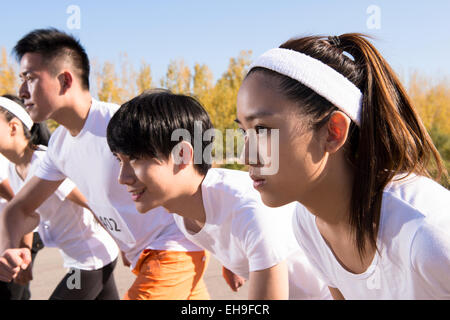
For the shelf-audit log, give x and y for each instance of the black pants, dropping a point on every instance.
(14, 291)
(88, 285)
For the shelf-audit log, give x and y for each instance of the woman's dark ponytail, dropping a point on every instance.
(392, 138)
(40, 134)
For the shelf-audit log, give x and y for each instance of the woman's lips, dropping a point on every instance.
(258, 182)
(28, 107)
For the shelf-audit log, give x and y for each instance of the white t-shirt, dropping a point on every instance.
(87, 160)
(246, 236)
(83, 243)
(3, 176)
(413, 240)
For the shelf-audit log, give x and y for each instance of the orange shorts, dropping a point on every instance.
(169, 275)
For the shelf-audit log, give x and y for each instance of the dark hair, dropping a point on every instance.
(51, 44)
(391, 139)
(39, 134)
(143, 126)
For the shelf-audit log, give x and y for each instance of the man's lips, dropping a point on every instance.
(137, 193)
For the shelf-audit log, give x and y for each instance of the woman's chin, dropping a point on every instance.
(273, 200)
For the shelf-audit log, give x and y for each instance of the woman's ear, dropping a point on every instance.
(183, 154)
(13, 127)
(337, 129)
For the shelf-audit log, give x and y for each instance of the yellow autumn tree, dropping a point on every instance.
(108, 84)
(222, 109)
(223, 106)
(178, 77)
(202, 85)
(127, 79)
(144, 78)
(432, 101)
(8, 78)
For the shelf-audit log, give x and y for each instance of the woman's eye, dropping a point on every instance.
(261, 129)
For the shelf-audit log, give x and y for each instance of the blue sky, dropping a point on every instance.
(413, 35)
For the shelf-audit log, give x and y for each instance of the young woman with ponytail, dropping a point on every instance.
(87, 249)
(356, 156)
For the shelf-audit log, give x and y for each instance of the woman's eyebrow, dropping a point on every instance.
(257, 115)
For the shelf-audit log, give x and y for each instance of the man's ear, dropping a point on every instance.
(337, 129)
(183, 154)
(65, 79)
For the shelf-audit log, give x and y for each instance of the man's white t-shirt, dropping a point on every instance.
(246, 236)
(413, 242)
(3, 176)
(83, 243)
(87, 160)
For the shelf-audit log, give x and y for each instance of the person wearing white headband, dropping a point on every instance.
(86, 248)
(353, 153)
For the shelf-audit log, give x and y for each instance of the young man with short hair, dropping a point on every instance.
(217, 209)
(54, 68)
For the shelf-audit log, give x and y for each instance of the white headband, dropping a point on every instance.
(17, 110)
(317, 76)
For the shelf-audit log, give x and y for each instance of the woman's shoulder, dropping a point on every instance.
(413, 209)
(420, 194)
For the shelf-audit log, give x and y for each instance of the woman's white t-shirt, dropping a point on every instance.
(87, 160)
(246, 236)
(3, 176)
(82, 241)
(413, 242)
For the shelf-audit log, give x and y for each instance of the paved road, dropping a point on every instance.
(48, 271)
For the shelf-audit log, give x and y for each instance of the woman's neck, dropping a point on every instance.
(330, 203)
(21, 156)
(330, 199)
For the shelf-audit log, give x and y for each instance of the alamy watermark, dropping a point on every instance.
(374, 19)
(252, 147)
(74, 280)
(74, 20)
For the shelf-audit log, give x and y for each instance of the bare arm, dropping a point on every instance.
(269, 284)
(27, 241)
(232, 279)
(7, 193)
(336, 294)
(19, 217)
(78, 198)
(5, 190)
